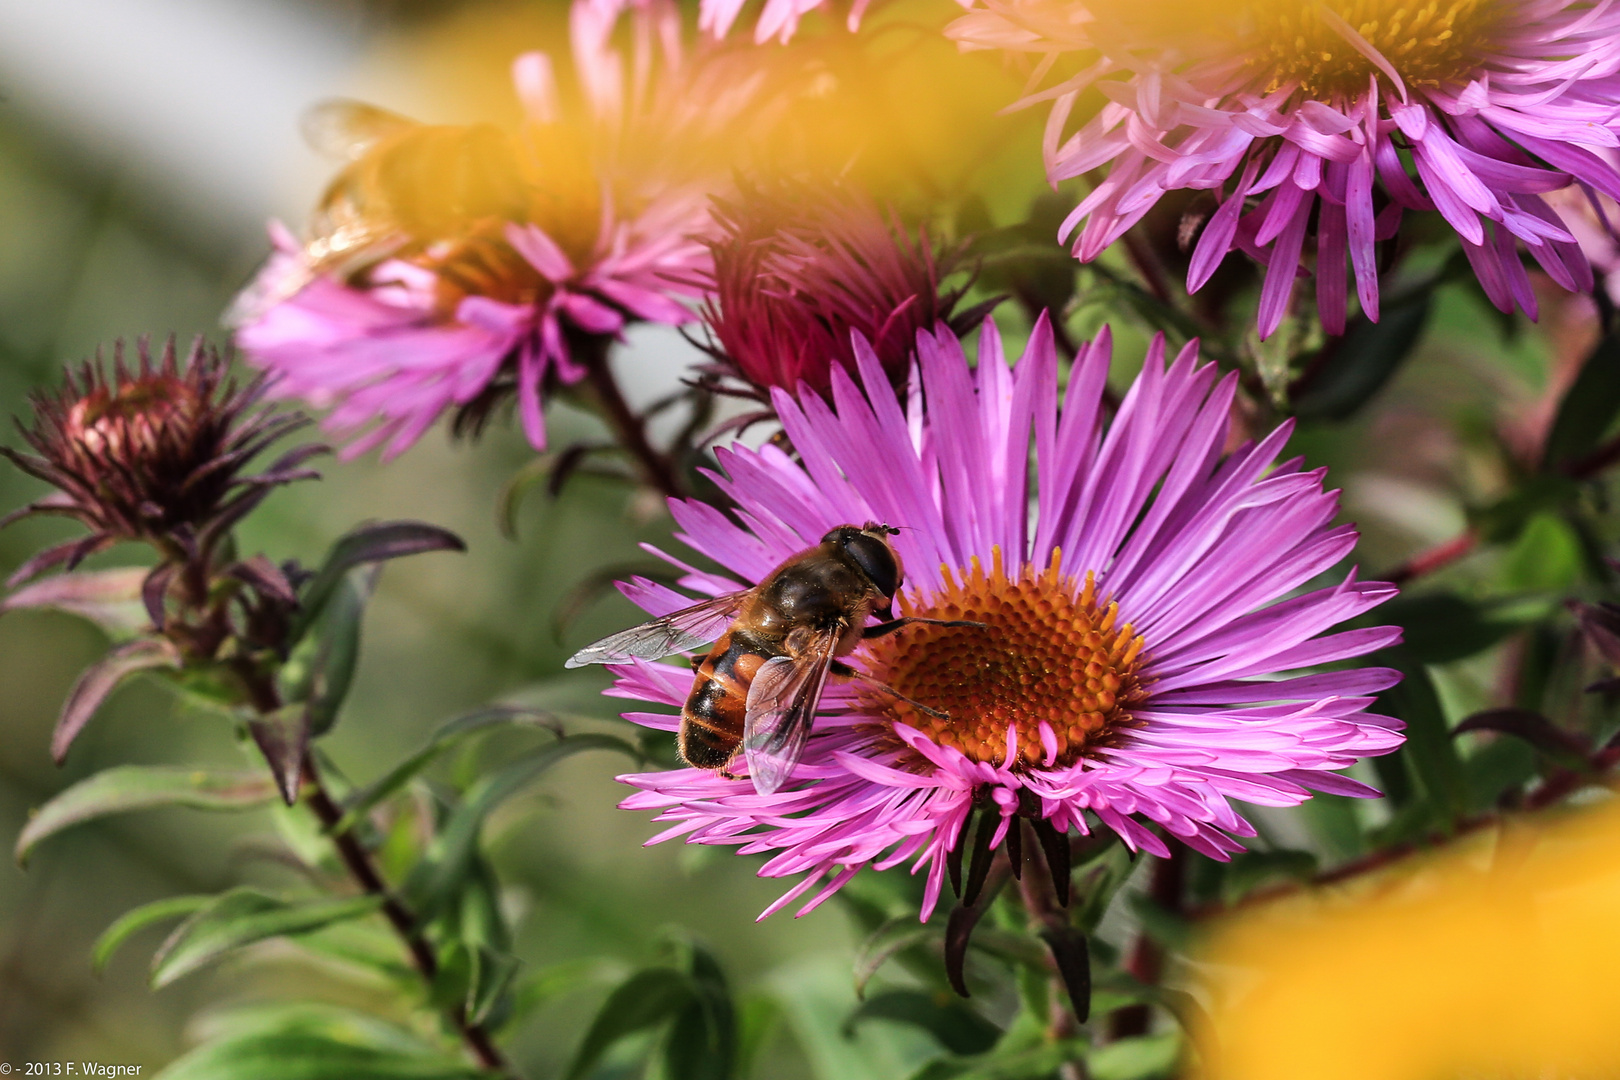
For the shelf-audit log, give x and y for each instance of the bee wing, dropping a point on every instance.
(782, 702)
(675, 632)
(344, 129)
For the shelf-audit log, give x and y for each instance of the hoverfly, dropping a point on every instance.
(758, 688)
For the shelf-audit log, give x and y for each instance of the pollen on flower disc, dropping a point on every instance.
(1052, 662)
(1428, 42)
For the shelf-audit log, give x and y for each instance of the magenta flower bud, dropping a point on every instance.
(799, 269)
(154, 453)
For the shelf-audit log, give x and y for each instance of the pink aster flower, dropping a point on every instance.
(1594, 220)
(1345, 113)
(1153, 646)
(453, 309)
(800, 268)
(778, 19)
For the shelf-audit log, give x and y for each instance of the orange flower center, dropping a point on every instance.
(1052, 663)
(1429, 42)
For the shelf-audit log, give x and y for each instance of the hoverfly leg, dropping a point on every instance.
(843, 669)
(897, 624)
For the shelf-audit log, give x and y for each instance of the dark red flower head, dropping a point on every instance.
(797, 268)
(154, 453)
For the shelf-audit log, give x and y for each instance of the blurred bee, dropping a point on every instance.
(758, 688)
(405, 182)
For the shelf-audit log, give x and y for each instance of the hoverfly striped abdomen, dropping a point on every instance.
(716, 710)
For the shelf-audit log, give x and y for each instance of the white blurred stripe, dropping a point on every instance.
(198, 100)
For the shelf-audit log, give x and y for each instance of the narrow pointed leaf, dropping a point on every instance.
(447, 861)
(315, 1043)
(492, 977)
(956, 1026)
(362, 803)
(646, 999)
(242, 917)
(979, 862)
(265, 577)
(133, 922)
(1588, 408)
(959, 930)
(1562, 747)
(321, 668)
(702, 1041)
(109, 598)
(369, 544)
(139, 787)
(283, 739)
(155, 593)
(1055, 847)
(101, 679)
(1072, 955)
(1362, 362)
(895, 936)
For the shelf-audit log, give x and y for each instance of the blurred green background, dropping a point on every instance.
(142, 145)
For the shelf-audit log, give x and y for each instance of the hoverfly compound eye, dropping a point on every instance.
(876, 560)
(840, 535)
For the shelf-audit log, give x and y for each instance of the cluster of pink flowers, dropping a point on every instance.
(1208, 661)
(1294, 116)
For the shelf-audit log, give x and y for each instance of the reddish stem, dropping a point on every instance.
(628, 428)
(358, 862)
(1436, 558)
(1146, 960)
(266, 699)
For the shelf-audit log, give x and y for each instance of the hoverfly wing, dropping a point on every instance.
(345, 129)
(782, 702)
(676, 632)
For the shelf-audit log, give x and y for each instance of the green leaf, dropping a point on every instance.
(138, 919)
(1588, 409)
(109, 598)
(1251, 869)
(1362, 362)
(315, 1043)
(1149, 1057)
(644, 1000)
(1167, 928)
(138, 787)
(321, 667)
(1564, 748)
(368, 544)
(490, 978)
(241, 917)
(358, 805)
(702, 1040)
(448, 858)
(1025, 1063)
(956, 1025)
(1441, 627)
(1429, 748)
(542, 987)
(1547, 557)
(101, 679)
(896, 935)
